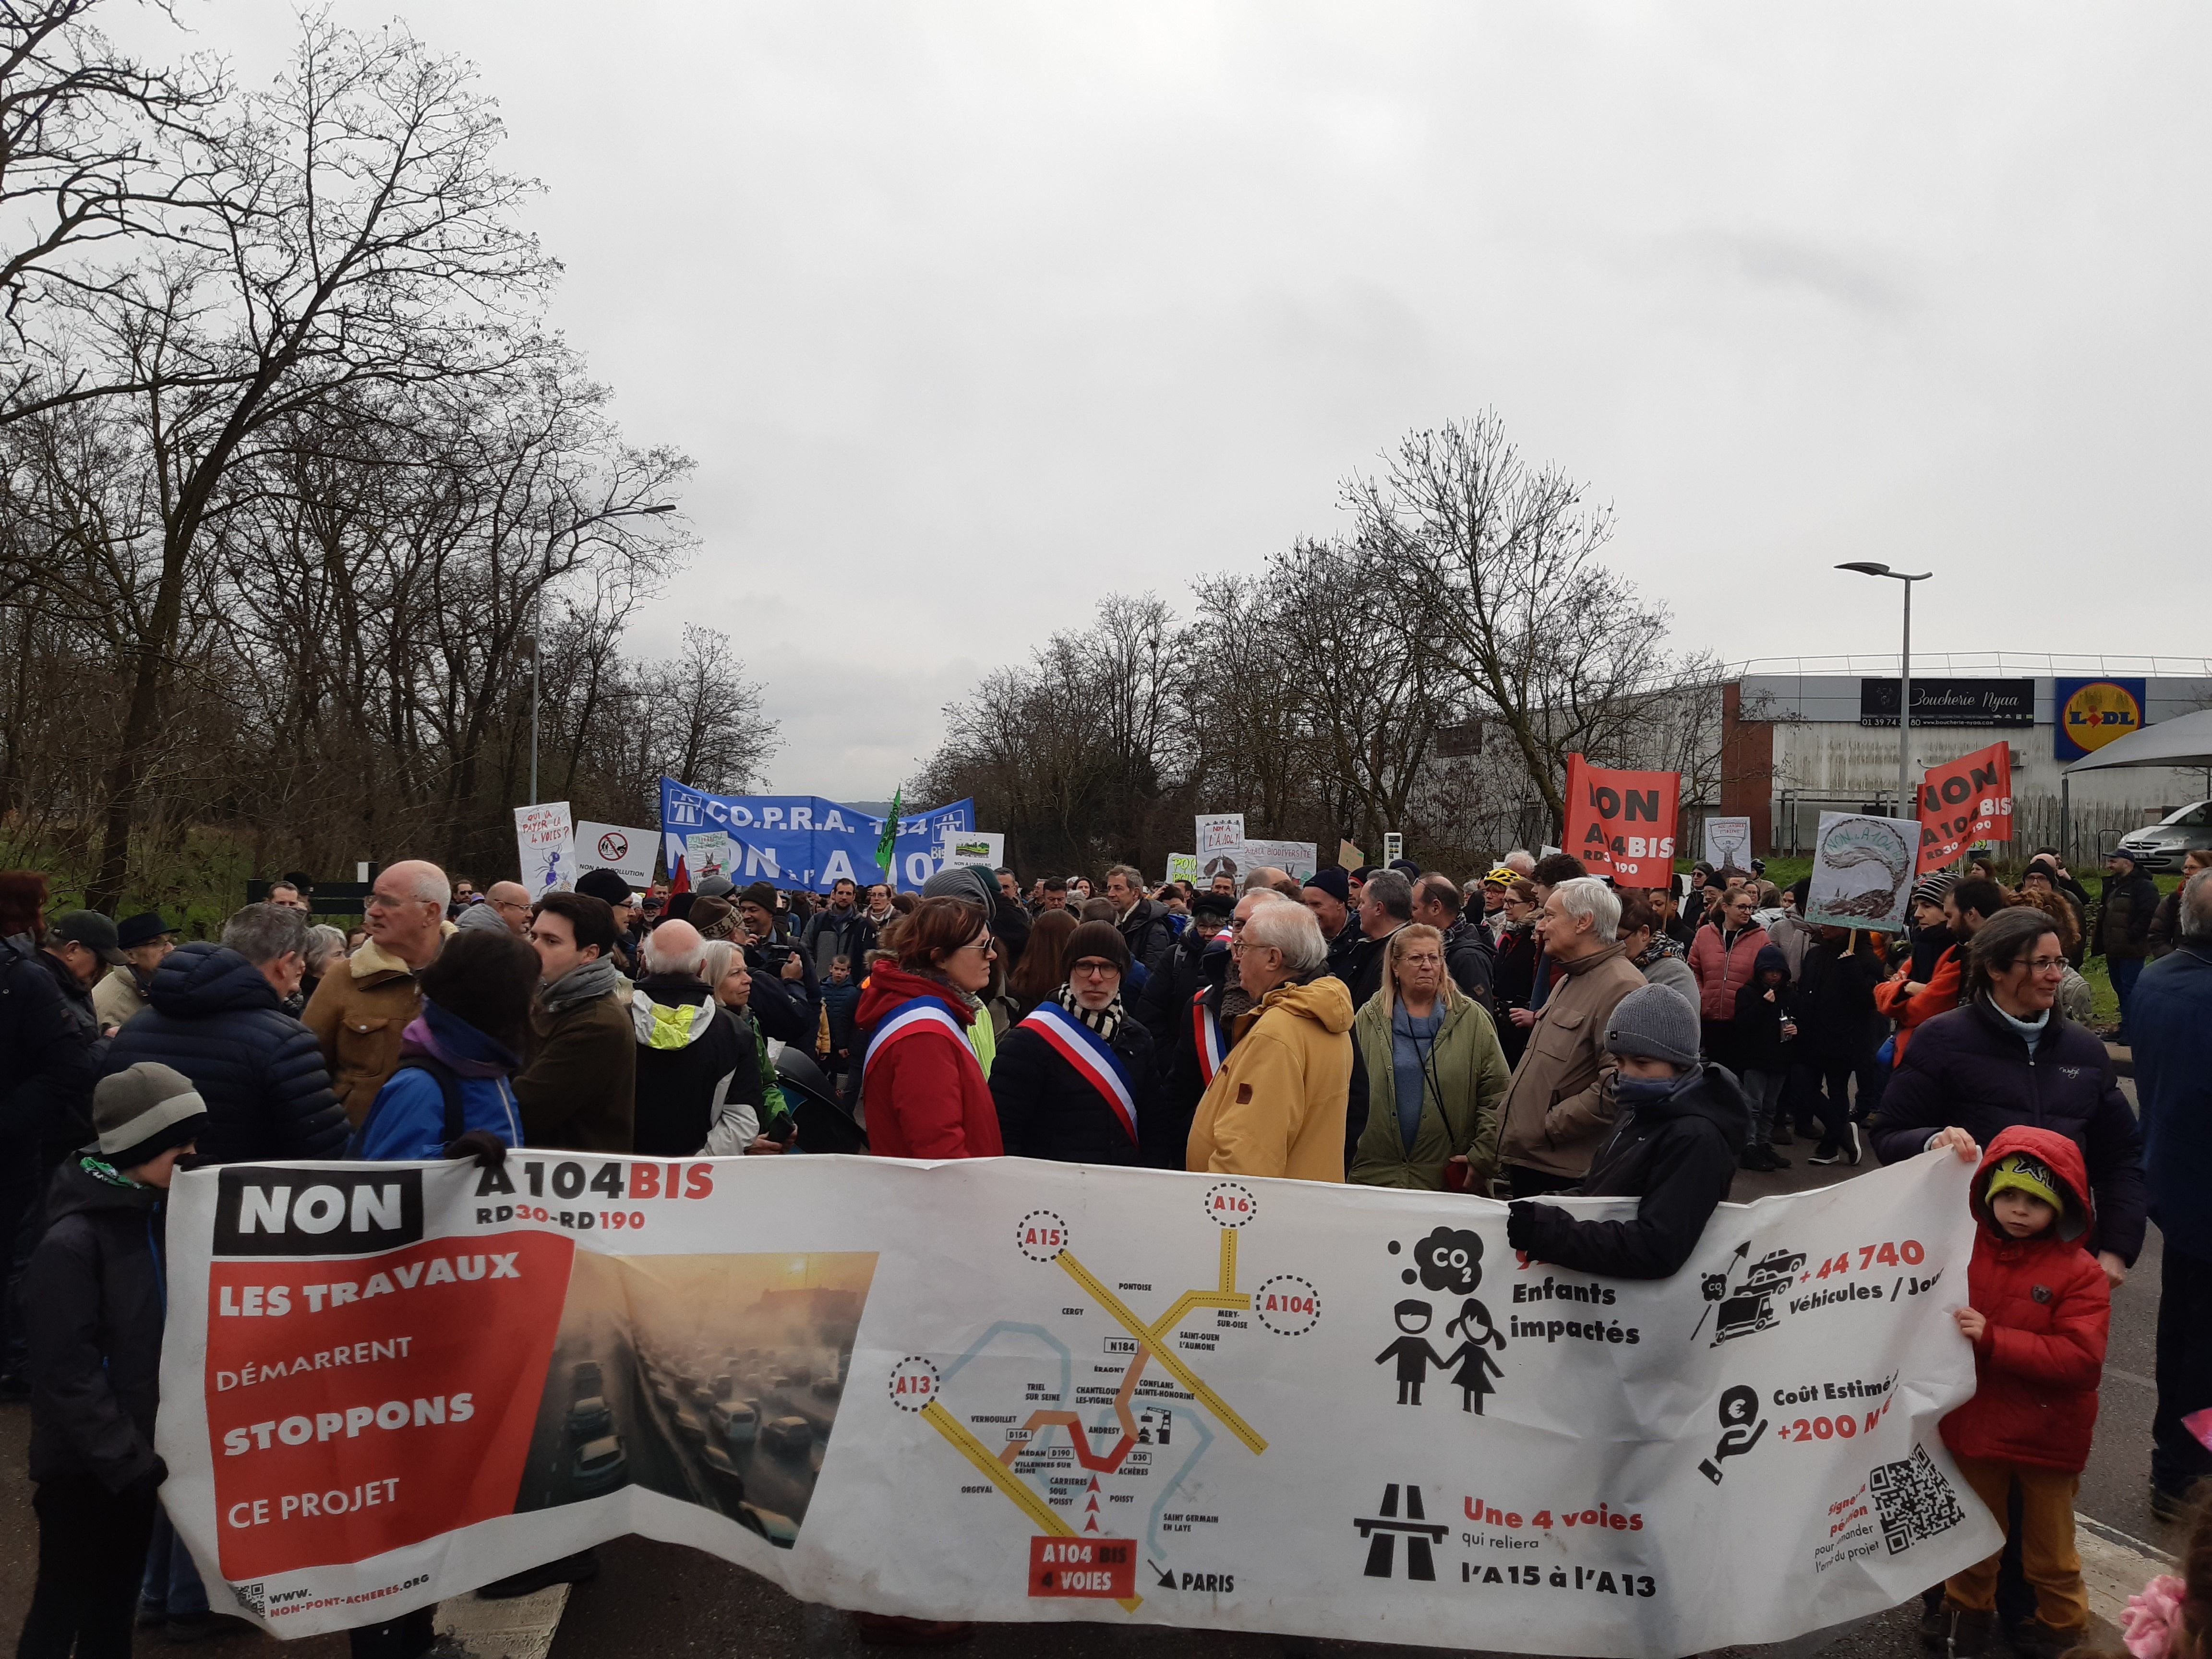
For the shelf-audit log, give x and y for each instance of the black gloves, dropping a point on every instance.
(481, 1145)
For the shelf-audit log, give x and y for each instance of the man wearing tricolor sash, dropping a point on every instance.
(1075, 1080)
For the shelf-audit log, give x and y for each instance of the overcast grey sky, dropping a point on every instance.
(972, 312)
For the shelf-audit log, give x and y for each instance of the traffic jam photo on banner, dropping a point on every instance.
(1003, 1390)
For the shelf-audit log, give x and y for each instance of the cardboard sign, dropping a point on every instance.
(707, 853)
(1221, 848)
(1862, 871)
(1621, 823)
(1728, 843)
(1183, 866)
(1126, 1395)
(1969, 800)
(629, 853)
(986, 848)
(1298, 859)
(546, 846)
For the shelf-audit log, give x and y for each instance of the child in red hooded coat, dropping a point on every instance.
(2037, 1309)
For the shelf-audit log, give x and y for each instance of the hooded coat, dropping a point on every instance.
(1676, 1157)
(408, 1120)
(1467, 1078)
(925, 1095)
(52, 1057)
(1755, 1035)
(689, 1049)
(1148, 930)
(1277, 1105)
(213, 1017)
(2042, 1354)
(93, 1310)
(1972, 1069)
(357, 1014)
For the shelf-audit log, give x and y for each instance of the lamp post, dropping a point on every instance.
(1904, 792)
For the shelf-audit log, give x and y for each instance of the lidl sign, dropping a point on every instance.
(2086, 714)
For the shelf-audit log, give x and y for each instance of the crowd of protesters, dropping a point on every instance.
(1534, 1032)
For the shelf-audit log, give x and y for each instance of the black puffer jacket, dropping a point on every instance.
(1047, 1109)
(1469, 960)
(214, 1018)
(1969, 1068)
(1163, 1005)
(2123, 920)
(49, 1059)
(1676, 1157)
(93, 1310)
(1149, 931)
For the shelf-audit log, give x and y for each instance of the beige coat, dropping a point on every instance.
(1558, 1110)
(1276, 1107)
(357, 1013)
(116, 997)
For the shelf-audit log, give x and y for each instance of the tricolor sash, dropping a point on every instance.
(923, 1013)
(1094, 1061)
(1205, 1037)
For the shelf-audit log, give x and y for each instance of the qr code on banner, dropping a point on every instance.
(1914, 1499)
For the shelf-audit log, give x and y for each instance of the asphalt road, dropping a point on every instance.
(661, 1600)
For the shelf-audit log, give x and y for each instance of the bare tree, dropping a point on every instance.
(1555, 651)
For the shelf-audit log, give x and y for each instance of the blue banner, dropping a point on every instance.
(804, 841)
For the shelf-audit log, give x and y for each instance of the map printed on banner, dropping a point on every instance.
(1138, 1396)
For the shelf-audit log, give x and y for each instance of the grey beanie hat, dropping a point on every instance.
(142, 1111)
(971, 882)
(1655, 1022)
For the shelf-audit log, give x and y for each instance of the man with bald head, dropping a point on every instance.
(360, 1009)
(688, 1044)
(510, 901)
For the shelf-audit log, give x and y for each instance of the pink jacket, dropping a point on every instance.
(1723, 971)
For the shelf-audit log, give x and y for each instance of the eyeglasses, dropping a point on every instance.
(2043, 964)
(511, 904)
(385, 901)
(1093, 969)
(1237, 947)
(982, 944)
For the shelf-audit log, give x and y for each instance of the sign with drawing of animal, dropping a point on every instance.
(1862, 868)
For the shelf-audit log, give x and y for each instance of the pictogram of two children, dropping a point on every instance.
(1472, 1358)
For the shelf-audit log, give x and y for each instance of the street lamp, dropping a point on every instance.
(1904, 792)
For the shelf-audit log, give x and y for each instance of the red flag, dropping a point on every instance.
(1622, 823)
(1969, 800)
(679, 879)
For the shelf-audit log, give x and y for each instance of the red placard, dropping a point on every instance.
(1622, 823)
(358, 1404)
(1105, 1567)
(1969, 799)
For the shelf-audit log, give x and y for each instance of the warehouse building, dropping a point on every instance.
(1802, 736)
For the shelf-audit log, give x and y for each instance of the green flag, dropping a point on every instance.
(888, 846)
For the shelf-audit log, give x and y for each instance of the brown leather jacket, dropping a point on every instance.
(1559, 1110)
(357, 1013)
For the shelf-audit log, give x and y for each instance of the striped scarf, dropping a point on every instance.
(1105, 1021)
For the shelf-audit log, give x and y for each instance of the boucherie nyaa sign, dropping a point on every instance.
(1969, 800)
(1621, 823)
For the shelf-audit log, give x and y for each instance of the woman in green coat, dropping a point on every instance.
(1435, 1076)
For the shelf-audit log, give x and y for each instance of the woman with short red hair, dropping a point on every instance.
(921, 1087)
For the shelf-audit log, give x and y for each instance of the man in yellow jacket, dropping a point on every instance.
(1277, 1105)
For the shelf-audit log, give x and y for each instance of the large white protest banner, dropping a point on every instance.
(629, 853)
(1296, 859)
(546, 846)
(1013, 1390)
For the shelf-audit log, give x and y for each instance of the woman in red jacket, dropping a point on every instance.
(2037, 1310)
(922, 1087)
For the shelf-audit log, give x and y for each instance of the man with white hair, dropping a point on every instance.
(358, 1013)
(1561, 1104)
(1201, 1026)
(1522, 862)
(689, 1045)
(1276, 1106)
